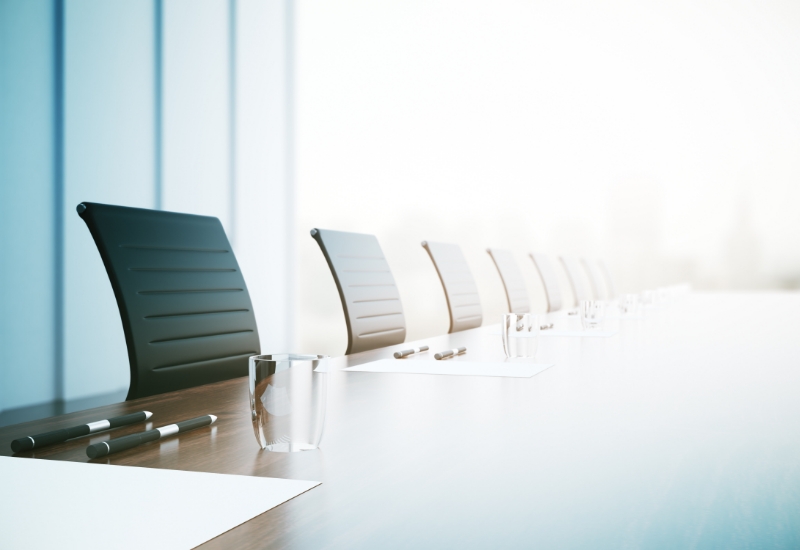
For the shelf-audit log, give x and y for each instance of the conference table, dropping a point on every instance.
(682, 430)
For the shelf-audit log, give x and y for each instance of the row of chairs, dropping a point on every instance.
(602, 285)
(187, 315)
(372, 307)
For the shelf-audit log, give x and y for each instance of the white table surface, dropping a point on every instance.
(681, 431)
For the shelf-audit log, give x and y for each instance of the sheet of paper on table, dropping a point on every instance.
(457, 367)
(59, 504)
(591, 333)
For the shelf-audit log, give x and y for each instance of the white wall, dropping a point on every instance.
(109, 155)
(196, 99)
(27, 327)
(662, 137)
(264, 209)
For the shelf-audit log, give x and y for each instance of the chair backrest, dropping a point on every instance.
(371, 302)
(514, 284)
(573, 269)
(460, 289)
(184, 304)
(612, 289)
(547, 272)
(595, 279)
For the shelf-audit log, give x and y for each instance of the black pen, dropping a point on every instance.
(121, 443)
(57, 436)
(407, 352)
(450, 353)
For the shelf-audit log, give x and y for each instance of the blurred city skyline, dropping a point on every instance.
(662, 138)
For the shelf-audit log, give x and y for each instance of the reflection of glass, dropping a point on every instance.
(593, 312)
(288, 395)
(648, 299)
(630, 304)
(520, 334)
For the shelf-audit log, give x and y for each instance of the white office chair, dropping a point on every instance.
(573, 269)
(460, 289)
(370, 299)
(514, 284)
(612, 289)
(595, 279)
(547, 272)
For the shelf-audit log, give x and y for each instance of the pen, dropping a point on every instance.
(57, 436)
(406, 352)
(450, 353)
(121, 443)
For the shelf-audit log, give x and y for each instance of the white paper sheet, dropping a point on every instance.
(594, 333)
(55, 504)
(457, 368)
(582, 333)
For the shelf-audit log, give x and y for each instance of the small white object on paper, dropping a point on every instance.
(58, 504)
(457, 368)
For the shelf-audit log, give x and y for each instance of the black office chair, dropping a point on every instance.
(510, 274)
(575, 276)
(547, 272)
(184, 304)
(371, 302)
(460, 289)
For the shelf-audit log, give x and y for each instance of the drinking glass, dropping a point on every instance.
(630, 304)
(593, 312)
(520, 334)
(648, 299)
(288, 395)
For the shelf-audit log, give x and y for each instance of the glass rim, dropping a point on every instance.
(273, 357)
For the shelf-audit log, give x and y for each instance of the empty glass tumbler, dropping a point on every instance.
(648, 299)
(288, 395)
(593, 313)
(520, 334)
(630, 305)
